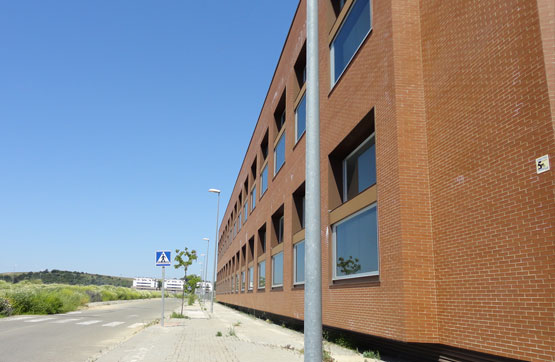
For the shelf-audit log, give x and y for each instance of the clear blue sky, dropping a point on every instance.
(116, 117)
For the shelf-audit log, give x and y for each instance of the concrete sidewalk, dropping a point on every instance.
(244, 339)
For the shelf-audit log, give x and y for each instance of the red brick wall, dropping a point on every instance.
(488, 118)
(466, 234)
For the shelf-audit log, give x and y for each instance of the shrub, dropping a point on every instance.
(178, 315)
(191, 299)
(371, 354)
(6, 308)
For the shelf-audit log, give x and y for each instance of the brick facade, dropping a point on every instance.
(461, 97)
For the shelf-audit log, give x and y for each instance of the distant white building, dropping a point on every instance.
(173, 285)
(207, 287)
(145, 284)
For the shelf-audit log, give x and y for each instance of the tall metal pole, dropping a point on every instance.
(215, 254)
(163, 292)
(313, 269)
(206, 267)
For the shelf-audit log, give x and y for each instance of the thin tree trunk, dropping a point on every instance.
(183, 295)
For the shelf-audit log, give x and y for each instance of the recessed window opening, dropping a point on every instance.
(359, 169)
(253, 171)
(355, 28)
(279, 154)
(261, 275)
(242, 281)
(355, 245)
(244, 255)
(300, 67)
(251, 249)
(262, 239)
(246, 209)
(264, 180)
(277, 270)
(298, 269)
(337, 6)
(253, 197)
(299, 209)
(279, 113)
(277, 225)
(264, 147)
(300, 119)
(352, 163)
(251, 277)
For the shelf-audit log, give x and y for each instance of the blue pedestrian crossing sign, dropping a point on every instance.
(163, 258)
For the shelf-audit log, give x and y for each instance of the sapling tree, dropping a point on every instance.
(183, 259)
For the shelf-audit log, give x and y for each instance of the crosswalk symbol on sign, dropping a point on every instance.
(163, 258)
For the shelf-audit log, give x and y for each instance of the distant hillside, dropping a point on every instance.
(67, 277)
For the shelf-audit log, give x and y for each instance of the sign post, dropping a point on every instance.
(163, 259)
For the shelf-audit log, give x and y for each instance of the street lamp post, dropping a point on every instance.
(216, 191)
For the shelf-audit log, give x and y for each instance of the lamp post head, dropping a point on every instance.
(205, 239)
(214, 190)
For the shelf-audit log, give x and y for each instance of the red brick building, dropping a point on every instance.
(437, 232)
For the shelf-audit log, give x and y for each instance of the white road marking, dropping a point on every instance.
(135, 325)
(74, 313)
(67, 320)
(39, 320)
(89, 322)
(113, 324)
(19, 318)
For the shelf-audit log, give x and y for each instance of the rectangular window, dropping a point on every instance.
(349, 37)
(253, 198)
(261, 274)
(298, 272)
(359, 169)
(300, 118)
(277, 270)
(355, 246)
(279, 154)
(239, 223)
(251, 277)
(246, 210)
(242, 281)
(237, 283)
(264, 180)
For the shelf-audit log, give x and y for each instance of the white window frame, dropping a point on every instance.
(295, 282)
(275, 148)
(333, 82)
(334, 245)
(344, 164)
(297, 136)
(273, 271)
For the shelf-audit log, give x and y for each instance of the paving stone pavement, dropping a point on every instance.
(244, 339)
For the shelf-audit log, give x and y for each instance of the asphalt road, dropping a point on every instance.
(76, 336)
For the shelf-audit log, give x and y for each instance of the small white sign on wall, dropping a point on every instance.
(542, 164)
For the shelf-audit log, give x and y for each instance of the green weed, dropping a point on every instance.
(371, 354)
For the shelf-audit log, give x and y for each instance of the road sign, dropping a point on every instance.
(163, 258)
